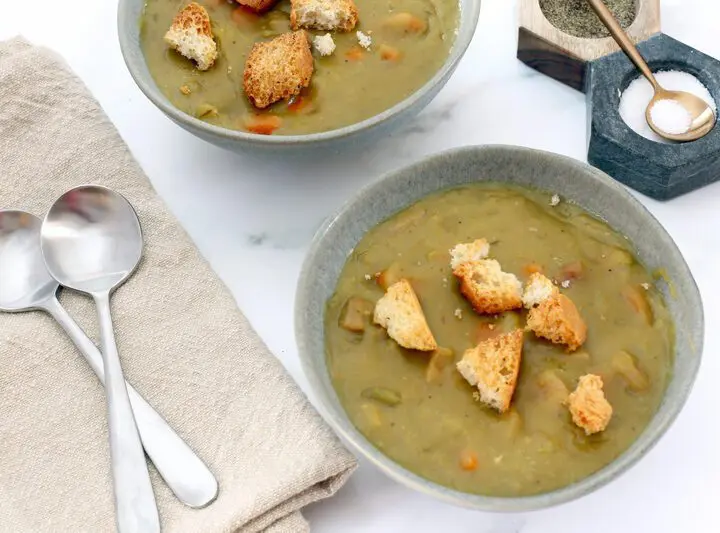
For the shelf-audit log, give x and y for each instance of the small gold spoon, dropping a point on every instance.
(701, 114)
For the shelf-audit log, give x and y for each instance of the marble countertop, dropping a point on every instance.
(253, 220)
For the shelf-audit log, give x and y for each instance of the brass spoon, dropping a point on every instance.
(702, 115)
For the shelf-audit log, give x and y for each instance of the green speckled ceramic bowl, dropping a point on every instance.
(577, 182)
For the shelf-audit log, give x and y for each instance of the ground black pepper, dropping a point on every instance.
(576, 17)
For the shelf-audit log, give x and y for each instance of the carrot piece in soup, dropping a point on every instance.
(298, 104)
(263, 124)
(533, 268)
(468, 460)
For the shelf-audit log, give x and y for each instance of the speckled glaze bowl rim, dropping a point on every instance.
(468, 20)
(341, 424)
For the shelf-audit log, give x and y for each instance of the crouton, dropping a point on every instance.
(488, 289)
(400, 313)
(558, 320)
(493, 367)
(364, 40)
(324, 44)
(537, 288)
(465, 253)
(191, 35)
(331, 15)
(258, 6)
(278, 69)
(588, 406)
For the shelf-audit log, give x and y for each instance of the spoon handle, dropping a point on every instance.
(616, 30)
(183, 471)
(135, 507)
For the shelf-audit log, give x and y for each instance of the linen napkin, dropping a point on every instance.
(183, 343)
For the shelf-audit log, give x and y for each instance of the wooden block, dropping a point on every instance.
(565, 57)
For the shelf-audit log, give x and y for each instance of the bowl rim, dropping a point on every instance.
(645, 442)
(469, 13)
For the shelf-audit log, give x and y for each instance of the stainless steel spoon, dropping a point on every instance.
(27, 286)
(701, 116)
(92, 242)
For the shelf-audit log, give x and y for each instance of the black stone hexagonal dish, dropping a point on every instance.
(661, 171)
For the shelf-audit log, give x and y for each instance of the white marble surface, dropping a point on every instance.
(253, 221)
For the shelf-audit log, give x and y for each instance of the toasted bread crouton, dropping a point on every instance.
(191, 35)
(331, 15)
(465, 253)
(364, 40)
(278, 69)
(258, 6)
(488, 289)
(400, 313)
(537, 288)
(558, 320)
(493, 366)
(588, 406)
(324, 44)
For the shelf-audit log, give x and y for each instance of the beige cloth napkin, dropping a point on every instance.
(183, 343)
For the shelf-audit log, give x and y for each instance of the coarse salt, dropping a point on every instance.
(555, 200)
(671, 117)
(639, 93)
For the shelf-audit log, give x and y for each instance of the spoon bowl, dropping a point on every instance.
(26, 283)
(91, 239)
(701, 115)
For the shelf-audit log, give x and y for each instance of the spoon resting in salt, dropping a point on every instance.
(675, 115)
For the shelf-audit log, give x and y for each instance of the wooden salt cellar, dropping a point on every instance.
(565, 57)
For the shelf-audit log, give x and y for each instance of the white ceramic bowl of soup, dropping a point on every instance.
(130, 14)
